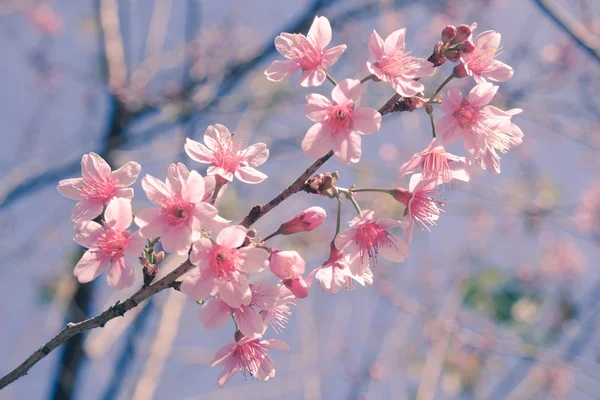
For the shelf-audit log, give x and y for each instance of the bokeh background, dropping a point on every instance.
(501, 300)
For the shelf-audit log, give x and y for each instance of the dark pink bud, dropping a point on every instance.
(448, 33)
(460, 71)
(466, 47)
(307, 220)
(297, 286)
(462, 33)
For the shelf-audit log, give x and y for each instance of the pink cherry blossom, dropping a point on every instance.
(485, 129)
(223, 268)
(436, 162)
(306, 53)
(98, 186)
(109, 246)
(340, 271)
(181, 214)
(287, 264)
(481, 63)
(249, 356)
(226, 158)
(421, 208)
(339, 124)
(297, 286)
(395, 65)
(369, 237)
(307, 220)
(279, 315)
(216, 313)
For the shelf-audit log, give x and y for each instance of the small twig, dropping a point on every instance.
(330, 79)
(366, 79)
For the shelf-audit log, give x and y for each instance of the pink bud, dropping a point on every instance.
(307, 220)
(286, 264)
(297, 286)
(448, 33)
(402, 195)
(460, 71)
(462, 33)
(466, 47)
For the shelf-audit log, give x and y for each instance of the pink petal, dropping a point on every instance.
(249, 175)
(460, 172)
(346, 91)
(214, 314)
(407, 87)
(254, 259)
(135, 245)
(212, 170)
(256, 154)
(197, 151)
(317, 141)
(176, 239)
(366, 120)
(388, 223)
(375, 70)
(231, 368)
(281, 69)
(348, 149)
(395, 41)
(94, 167)
(201, 251)
(193, 187)
(89, 267)
(156, 191)
(488, 40)
(317, 107)
(118, 214)
(177, 174)
(265, 369)
(396, 251)
(248, 320)
(452, 102)
(265, 295)
(320, 32)
(312, 77)
(275, 344)
(69, 188)
(121, 274)
(499, 72)
(410, 166)
(89, 232)
(330, 56)
(482, 94)
(217, 136)
(86, 210)
(286, 45)
(235, 291)
(224, 354)
(127, 174)
(448, 129)
(150, 222)
(197, 285)
(124, 193)
(232, 237)
(376, 45)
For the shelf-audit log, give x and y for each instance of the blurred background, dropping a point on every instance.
(501, 300)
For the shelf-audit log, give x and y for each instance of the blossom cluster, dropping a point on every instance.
(236, 275)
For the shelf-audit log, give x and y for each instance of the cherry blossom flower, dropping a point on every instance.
(306, 53)
(216, 313)
(287, 264)
(307, 220)
(181, 214)
(97, 186)
(222, 267)
(587, 214)
(227, 159)
(109, 246)
(395, 65)
(481, 63)
(421, 208)
(279, 315)
(485, 129)
(340, 271)
(436, 162)
(249, 356)
(369, 237)
(339, 125)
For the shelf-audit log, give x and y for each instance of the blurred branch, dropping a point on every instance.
(113, 43)
(578, 32)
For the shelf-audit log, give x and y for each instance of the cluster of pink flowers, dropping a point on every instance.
(185, 220)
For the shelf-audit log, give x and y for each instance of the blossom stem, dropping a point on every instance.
(354, 203)
(439, 89)
(218, 185)
(366, 79)
(330, 78)
(432, 123)
(271, 235)
(382, 190)
(339, 216)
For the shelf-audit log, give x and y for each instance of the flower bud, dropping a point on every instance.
(297, 286)
(307, 220)
(286, 264)
(402, 195)
(462, 33)
(466, 47)
(448, 33)
(460, 71)
(452, 55)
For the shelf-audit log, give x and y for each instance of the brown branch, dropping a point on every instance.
(117, 310)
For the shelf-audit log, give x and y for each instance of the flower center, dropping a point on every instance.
(467, 115)
(307, 54)
(103, 188)
(228, 156)
(369, 237)
(340, 118)
(252, 355)
(423, 209)
(434, 165)
(397, 63)
(178, 212)
(225, 261)
(112, 245)
(480, 60)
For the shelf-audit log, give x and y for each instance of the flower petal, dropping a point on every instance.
(320, 32)
(156, 191)
(197, 151)
(376, 45)
(150, 222)
(69, 188)
(312, 77)
(330, 56)
(198, 284)
(317, 141)
(346, 91)
(256, 154)
(249, 175)
(235, 291)
(127, 174)
(118, 214)
(214, 314)
(366, 120)
(281, 69)
(348, 149)
(232, 237)
(396, 250)
(254, 259)
(94, 167)
(89, 267)
(248, 320)
(86, 210)
(395, 41)
(317, 107)
(120, 274)
(89, 232)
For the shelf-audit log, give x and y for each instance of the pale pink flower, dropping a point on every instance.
(481, 63)
(109, 246)
(181, 214)
(436, 162)
(45, 19)
(226, 158)
(485, 129)
(396, 66)
(216, 313)
(340, 271)
(247, 355)
(223, 268)
(421, 208)
(587, 214)
(287, 264)
(279, 315)
(307, 220)
(339, 125)
(306, 53)
(561, 259)
(98, 186)
(369, 237)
